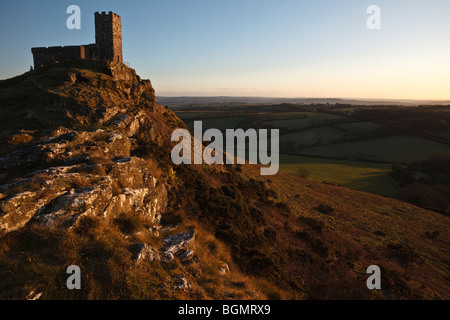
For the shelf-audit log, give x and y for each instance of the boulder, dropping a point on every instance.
(183, 285)
(17, 210)
(67, 209)
(34, 296)
(133, 173)
(130, 124)
(224, 269)
(177, 245)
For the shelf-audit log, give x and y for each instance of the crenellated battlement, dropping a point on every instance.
(107, 14)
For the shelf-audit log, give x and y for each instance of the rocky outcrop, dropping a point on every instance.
(58, 203)
(79, 95)
(83, 139)
(179, 246)
(132, 125)
(68, 146)
(65, 211)
(84, 150)
(60, 196)
(17, 210)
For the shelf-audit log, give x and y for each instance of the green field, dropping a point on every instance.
(368, 177)
(291, 124)
(321, 135)
(193, 114)
(296, 122)
(309, 115)
(400, 148)
(218, 123)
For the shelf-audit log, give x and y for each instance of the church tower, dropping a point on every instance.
(108, 36)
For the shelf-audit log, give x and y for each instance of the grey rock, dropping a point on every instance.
(34, 296)
(224, 269)
(17, 210)
(66, 210)
(183, 285)
(179, 244)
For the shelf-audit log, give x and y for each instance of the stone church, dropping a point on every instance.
(107, 46)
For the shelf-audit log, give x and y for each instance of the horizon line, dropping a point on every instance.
(300, 98)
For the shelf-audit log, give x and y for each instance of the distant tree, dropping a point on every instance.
(303, 172)
(426, 196)
(401, 174)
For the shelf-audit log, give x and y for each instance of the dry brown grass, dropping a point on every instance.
(96, 246)
(130, 223)
(80, 181)
(99, 170)
(154, 168)
(210, 255)
(361, 230)
(116, 190)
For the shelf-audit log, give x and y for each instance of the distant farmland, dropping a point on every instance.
(333, 147)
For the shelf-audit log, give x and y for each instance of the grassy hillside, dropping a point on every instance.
(86, 175)
(358, 229)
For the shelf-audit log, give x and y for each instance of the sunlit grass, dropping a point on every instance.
(364, 176)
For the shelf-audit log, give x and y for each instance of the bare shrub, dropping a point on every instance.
(303, 172)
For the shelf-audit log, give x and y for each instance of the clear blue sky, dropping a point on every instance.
(290, 48)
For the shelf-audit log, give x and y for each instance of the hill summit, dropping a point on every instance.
(87, 116)
(86, 179)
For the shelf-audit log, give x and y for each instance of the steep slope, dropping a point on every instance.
(86, 179)
(79, 127)
(351, 230)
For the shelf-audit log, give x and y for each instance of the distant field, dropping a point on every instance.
(364, 125)
(309, 115)
(218, 123)
(368, 177)
(443, 134)
(400, 148)
(199, 115)
(321, 135)
(288, 120)
(301, 120)
(291, 124)
(195, 114)
(287, 115)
